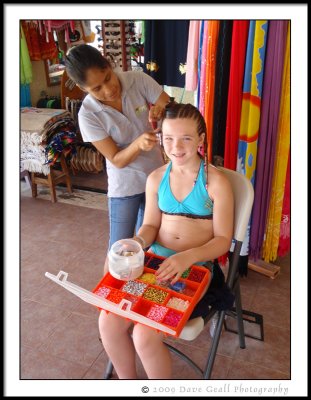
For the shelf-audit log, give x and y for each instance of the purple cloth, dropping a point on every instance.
(268, 130)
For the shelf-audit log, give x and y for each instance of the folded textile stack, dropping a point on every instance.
(45, 134)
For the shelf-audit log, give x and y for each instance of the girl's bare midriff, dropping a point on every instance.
(180, 233)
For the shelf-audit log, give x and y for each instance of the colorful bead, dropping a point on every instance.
(156, 295)
(134, 287)
(186, 273)
(177, 286)
(164, 284)
(178, 304)
(148, 278)
(157, 313)
(154, 263)
(147, 258)
(115, 296)
(103, 291)
(196, 275)
(172, 318)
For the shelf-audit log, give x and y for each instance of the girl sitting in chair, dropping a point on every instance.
(188, 219)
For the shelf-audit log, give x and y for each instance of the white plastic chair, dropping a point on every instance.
(243, 202)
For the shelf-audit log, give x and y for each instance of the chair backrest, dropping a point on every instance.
(72, 92)
(243, 201)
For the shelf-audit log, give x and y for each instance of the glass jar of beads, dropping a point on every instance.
(126, 259)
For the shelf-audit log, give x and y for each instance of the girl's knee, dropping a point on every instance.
(111, 326)
(145, 338)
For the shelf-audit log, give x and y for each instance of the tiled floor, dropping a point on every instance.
(59, 333)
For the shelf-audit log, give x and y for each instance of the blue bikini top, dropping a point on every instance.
(197, 204)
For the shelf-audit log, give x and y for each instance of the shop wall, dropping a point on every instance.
(39, 83)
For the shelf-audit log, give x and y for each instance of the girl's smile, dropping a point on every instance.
(181, 139)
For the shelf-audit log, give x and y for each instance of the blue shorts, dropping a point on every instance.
(160, 250)
(126, 216)
(218, 294)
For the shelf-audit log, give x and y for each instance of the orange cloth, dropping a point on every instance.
(32, 38)
(38, 46)
(212, 41)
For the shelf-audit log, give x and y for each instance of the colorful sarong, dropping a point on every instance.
(26, 66)
(221, 88)
(250, 114)
(277, 228)
(201, 37)
(211, 52)
(192, 56)
(203, 70)
(237, 64)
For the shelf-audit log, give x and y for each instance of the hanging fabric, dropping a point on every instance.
(30, 29)
(203, 70)
(266, 156)
(201, 36)
(25, 99)
(60, 25)
(284, 240)
(166, 51)
(274, 233)
(212, 41)
(192, 56)
(237, 63)
(25, 67)
(142, 30)
(250, 114)
(221, 89)
(48, 47)
(40, 42)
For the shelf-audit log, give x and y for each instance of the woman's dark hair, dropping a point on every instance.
(175, 110)
(81, 58)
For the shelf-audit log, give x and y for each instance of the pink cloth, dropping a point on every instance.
(192, 56)
(203, 71)
(59, 25)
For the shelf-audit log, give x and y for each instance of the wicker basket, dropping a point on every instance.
(87, 159)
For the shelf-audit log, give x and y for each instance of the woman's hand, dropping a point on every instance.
(173, 267)
(155, 113)
(147, 141)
